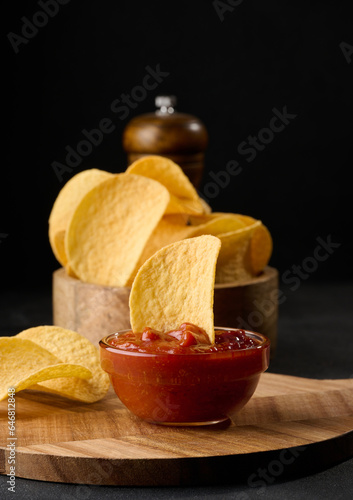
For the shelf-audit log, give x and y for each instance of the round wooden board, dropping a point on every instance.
(291, 424)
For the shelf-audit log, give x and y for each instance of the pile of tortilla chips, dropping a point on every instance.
(104, 226)
(52, 359)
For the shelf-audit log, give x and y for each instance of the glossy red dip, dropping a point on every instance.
(179, 377)
(187, 339)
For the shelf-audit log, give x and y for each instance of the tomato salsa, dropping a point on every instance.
(187, 339)
(179, 377)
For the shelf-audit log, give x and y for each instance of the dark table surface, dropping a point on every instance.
(315, 340)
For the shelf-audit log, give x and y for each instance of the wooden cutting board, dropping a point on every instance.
(290, 425)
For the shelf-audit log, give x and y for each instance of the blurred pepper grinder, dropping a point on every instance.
(179, 136)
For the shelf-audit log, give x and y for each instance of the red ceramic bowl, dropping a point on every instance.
(185, 389)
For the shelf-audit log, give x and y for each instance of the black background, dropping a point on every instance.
(230, 73)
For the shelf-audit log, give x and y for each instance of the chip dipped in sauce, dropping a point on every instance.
(170, 371)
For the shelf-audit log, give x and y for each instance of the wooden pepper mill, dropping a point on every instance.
(179, 136)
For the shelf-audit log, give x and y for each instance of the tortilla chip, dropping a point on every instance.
(70, 347)
(234, 261)
(261, 244)
(176, 285)
(183, 195)
(218, 225)
(24, 363)
(66, 203)
(171, 228)
(111, 226)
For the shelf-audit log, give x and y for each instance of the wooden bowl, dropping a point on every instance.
(96, 311)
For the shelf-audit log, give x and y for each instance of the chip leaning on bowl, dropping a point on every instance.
(104, 226)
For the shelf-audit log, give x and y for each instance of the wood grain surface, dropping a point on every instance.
(289, 422)
(96, 311)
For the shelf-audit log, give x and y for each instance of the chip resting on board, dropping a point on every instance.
(70, 347)
(111, 226)
(24, 364)
(176, 285)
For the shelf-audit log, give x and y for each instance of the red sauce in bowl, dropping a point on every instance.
(179, 377)
(187, 339)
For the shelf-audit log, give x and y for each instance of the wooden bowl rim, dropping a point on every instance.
(267, 274)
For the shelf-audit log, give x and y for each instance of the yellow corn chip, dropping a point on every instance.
(261, 245)
(184, 197)
(174, 228)
(234, 262)
(171, 228)
(70, 347)
(65, 204)
(176, 285)
(223, 224)
(206, 207)
(111, 226)
(196, 220)
(183, 206)
(24, 364)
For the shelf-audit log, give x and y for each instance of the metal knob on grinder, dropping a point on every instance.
(179, 136)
